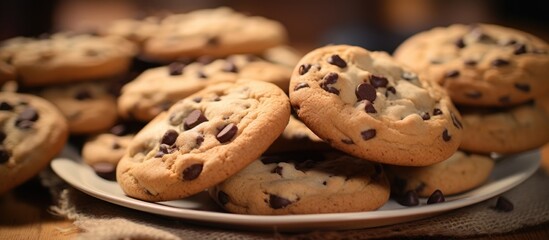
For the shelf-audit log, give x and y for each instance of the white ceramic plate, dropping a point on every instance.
(508, 173)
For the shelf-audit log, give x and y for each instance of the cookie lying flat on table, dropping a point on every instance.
(89, 107)
(32, 132)
(66, 57)
(459, 173)
(367, 105)
(508, 130)
(481, 65)
(202, 140)
(304, 183)
(155, 90)
(215, 32)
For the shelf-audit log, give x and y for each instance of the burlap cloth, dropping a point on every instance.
(97, 219)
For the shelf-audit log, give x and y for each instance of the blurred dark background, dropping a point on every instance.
(373, 24)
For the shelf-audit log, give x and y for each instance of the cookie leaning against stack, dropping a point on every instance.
(202, 140)
(32, 132)
(494, 73)
(366, 104)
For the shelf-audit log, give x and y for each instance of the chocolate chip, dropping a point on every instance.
(480, 36)
(436, 197)
(4, 106)
(368, 134)
(2, 136)
(347, 141)
(83, 94)
(4, 155)
(223, 197)
(425, 116)
(276, 202)
(116, 145)
(511, 42)
(26, 118)
(105, 170)
(378, 81)
(500, 62)
(201, 74)
(452, 74)
(446, 136)
(369, 107)
(301, 85)
(503, 204)
(409, 199)
(409, 76)
(473, 94)
(337, 60)
(365, 91)
(230, 67)
(330, 78)
(227, 133)
(391, 90)
(456, 121)
(169, 137)
(199, 140)
(505, 99)
(520, 49)
(304, 68)
(193, 171)
(522, 87)
(197, 99)
(330, 89)
(194, 118)
(277, 170)
(437, 111)
(470, 62)
(176, 68)
(212, 41)
(460, 43)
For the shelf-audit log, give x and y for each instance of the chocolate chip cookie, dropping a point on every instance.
(66, 57)
(482, 64)
(102, 152)
(32, 132)
(505, 130)
(459, 173)
(297, 137)
(215, 32)
(89, 107)
(304, 183)
(157, 89)
(202, 140)
(368, 105)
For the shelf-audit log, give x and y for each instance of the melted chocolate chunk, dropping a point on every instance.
(369, 107)
(330, 78)
(169, 137)
(460, 43)
(368, 134)
(26, 118)
(500, 62)
(83, 94)
(276, 202)
(330, 89)
(337, 61)
(176, 68)
(437, 111)
(452, 74)
(378, 81)
(304, 68)
(194, 118)
(5, 106)
(436, 197)
(446, 136)
(503, 204)
(227, 133)
(277, 170)
(199, 140)
(409, 199)
(390, 90)
(425, 116)
(522, 87)
(222, 197)
(4, 155)
(105, 170)
(301, 85)
(365, 91)
(193, 171)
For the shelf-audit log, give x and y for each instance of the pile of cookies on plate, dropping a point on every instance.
(212, 100)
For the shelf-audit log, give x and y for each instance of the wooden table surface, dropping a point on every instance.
(24, 215)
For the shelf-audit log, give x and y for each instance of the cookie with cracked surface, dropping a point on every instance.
(155, 90)
(297, 137)
(89, 107)
(32, 133)
(459, 173)
(480, 65)
(368, 105)
(505, 130)
(215, 32)
(202, 140)
(304, 183)
(65, 57)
